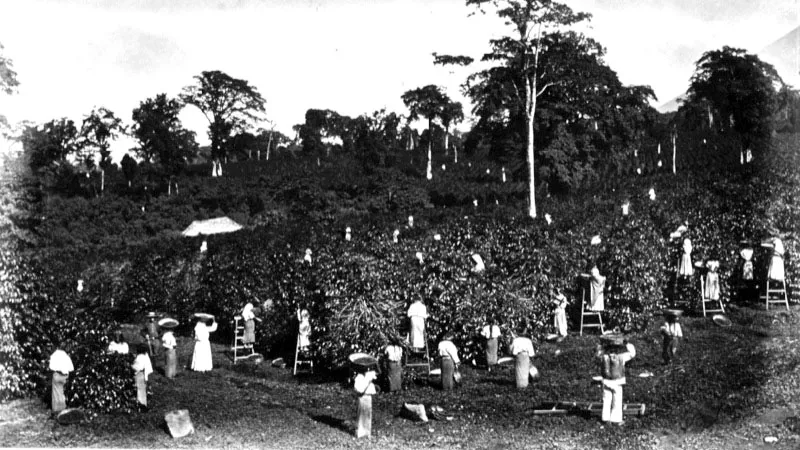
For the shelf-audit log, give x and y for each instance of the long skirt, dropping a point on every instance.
(58, 401)
(685, 268)
(522, 369)
(612, 401)
(491, 352)
(201, 358)
(561, 321)
(669, 348)
(364, 416)
(171, 362)
(141, 388)
(250, 332)
(417, 332)
(711, 286)
(776, 271)
(448, 369)
(395, 376)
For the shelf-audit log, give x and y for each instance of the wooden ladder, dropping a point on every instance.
(585, 313)
(591, 408)
(415, 358)
(780, 291)
(717, 304)
(301, 362)
(238, 341)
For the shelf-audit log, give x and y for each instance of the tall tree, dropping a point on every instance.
(129, 168)
(741, 91)
(518, 58)
(452, 113)
(50, 143)
(162, 138)
(99, 128)
(231, 106)
(428, 102)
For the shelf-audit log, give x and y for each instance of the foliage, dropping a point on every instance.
(97, 129)
(162, 138)
(8, 77)
(739, 93)
(50, 143)
(230, 105)
(102, 382)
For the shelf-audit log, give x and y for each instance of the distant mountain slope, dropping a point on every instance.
(783, 54)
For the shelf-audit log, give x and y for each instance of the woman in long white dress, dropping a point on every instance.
(201, 358)
(776, 270)
(417, 313)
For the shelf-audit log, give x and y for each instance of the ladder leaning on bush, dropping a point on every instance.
(301, 362)
(585, 312)
(415, 356)
(238, 341)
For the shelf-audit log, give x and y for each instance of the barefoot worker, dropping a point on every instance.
(142, 368)
(201, 358)
(61, 366)
(394, 367)
(304, 330)
(672, 334)
(522, 349)
(612, 353)
(491, 333)
(560, 313)
(449, 361)
(417, 313)
(170, 347)
(365, 388)
(249, 317)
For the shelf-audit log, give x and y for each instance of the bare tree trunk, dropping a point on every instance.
(429, 172)
(102, 180)
(446, 141)
(674, 151)
(269, 144)
(530, 108)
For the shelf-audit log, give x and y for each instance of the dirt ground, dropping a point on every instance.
(731, 388)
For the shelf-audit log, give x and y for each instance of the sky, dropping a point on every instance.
(351, 56)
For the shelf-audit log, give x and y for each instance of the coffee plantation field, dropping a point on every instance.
(731, 387)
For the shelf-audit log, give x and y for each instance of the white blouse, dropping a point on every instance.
(418, 309)
(447, 348)
(142, 363)
(394, 353)
(61, 362)
(522, 344)
(490, 332)
(168, 340)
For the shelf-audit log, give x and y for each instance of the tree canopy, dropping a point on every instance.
(162, 138)
(737, 91)
(98, 129)
(231, 106)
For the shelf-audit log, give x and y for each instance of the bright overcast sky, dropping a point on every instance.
(351, 56)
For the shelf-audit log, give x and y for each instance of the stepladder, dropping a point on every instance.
(240, 349)
(710, 298)
(597, 316)
(417, 357)
(302, 358)
(775, 292)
